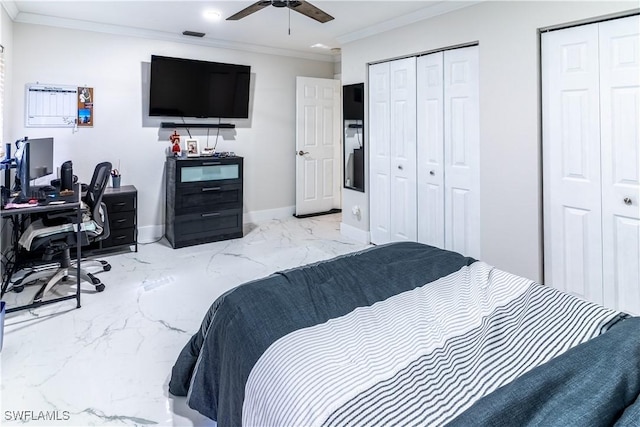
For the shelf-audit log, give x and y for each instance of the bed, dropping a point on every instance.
(408, 334)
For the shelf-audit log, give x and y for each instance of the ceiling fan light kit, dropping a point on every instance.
(303, 7)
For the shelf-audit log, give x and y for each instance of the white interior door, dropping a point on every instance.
(379, 153)
(317, 145)
(462, 151)
(571, 161)
(430, 173)
(404, 209)
(620, 137)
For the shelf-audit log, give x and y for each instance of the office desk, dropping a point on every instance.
(72, 202)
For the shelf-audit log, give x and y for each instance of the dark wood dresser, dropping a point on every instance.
(204, 200)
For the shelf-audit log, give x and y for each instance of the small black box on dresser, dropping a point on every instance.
(204, 200)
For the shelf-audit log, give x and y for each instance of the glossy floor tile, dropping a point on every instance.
(109, 362)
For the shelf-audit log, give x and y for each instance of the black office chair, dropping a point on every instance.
(95, 224)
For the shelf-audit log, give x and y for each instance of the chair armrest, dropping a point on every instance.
(103, 222)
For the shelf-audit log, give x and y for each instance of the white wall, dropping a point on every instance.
(117, 68)
(511, 210)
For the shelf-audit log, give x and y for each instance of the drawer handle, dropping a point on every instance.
(211, 189)
(120, 237)
(205, 215)
(121, 220)
(211, 163)
(120, 204)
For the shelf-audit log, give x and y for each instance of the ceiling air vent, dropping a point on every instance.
(192, 34)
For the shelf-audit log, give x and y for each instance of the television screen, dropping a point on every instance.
(353, 101)
(191, 88)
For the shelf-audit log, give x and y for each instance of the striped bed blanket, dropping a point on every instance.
(403, 334)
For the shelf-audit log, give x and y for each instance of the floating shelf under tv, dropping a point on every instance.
(172, 125)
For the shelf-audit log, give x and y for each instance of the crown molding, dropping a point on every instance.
(74, 24)
(11, 9)
(439, 8)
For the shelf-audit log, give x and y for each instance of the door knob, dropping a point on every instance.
(302, 153)
(627, 201)
(432, 173)
(400, 167)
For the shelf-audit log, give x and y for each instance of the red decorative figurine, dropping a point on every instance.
(175, 140)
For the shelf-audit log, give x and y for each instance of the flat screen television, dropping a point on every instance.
(192, 88)
(353, 102)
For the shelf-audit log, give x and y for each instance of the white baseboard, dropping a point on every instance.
(268, 214)
(353, 233)
(150, 233)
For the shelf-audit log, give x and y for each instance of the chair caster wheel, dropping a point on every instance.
(18, 289)
(106, 267)
(100, 287)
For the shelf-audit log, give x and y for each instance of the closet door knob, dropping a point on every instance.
(432, 173)
(627, 201)
(302, 153)
(400, 167)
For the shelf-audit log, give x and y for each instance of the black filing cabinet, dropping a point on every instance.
(204, 200)
(122, 204)
(122, 208)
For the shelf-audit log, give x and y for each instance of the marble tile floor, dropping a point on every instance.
(109, 362)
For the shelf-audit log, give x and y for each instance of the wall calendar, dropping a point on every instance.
(51, 105)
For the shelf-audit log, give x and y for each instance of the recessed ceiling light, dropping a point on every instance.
(212, 15)
(320, 46)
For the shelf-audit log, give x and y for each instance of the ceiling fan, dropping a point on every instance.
(301, 6)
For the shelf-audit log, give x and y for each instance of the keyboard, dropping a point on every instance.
(34, 194)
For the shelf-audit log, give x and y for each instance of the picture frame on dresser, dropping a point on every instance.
(193, 147)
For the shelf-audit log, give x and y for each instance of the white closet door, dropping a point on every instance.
(462, 151)
(403, 150)
(430, 121)
(379, 153)
(571, 161)
(620, 137)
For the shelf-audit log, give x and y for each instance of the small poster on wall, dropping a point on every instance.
(85, 107)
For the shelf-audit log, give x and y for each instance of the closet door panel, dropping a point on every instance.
(403, 149)
(430, 165)
(571, 161)
(619, 42)
(461, 151)
(379, 153)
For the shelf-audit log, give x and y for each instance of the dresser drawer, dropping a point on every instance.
(200, 198)
(206, 224)
(118, 220)
(117, 237)
(119, 203)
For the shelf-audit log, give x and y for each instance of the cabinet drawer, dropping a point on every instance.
(208, 171)
(188, 227)
(200, 198)
(118, 220)
(119, 203)
(117, 237)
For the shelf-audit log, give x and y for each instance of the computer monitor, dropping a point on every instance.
(40, 157)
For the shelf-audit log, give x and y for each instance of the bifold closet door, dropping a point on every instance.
(619, 43)
(392, 140)
(591, 161)
(571, 162)
(449, 150)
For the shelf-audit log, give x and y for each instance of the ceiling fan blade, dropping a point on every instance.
(310, 10)
(249, 10)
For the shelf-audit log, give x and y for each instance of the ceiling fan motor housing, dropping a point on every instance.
(285, 3)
